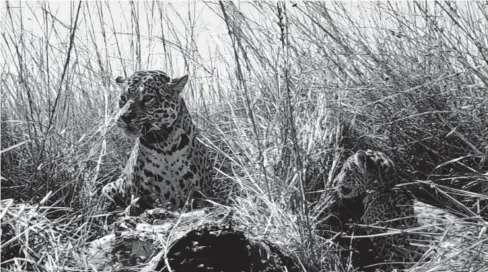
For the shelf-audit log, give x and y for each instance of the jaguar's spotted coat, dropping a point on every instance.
(368, 180)
(168, 163)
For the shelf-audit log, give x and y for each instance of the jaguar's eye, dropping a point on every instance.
(148, 100)
(346, 190)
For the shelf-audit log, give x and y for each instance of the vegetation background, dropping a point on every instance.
(282, 92)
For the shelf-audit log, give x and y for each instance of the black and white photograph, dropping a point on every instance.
(244, 136)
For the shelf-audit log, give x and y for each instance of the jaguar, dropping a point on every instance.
(384, 211)
(169, 165)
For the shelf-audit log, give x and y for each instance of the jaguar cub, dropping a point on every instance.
(368, 179)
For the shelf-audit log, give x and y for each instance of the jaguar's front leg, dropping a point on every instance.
(117, 192)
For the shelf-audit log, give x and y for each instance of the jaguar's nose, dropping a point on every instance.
(126, 118)
(128, 112)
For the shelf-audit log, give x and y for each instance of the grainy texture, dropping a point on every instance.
(368, 204)
(169, 164)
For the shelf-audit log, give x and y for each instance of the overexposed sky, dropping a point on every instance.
(109, 18)
(190, 37)
(179, 20)
(193, 29)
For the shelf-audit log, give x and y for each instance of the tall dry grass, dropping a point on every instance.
(281, 92)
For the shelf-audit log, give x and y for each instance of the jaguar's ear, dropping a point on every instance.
(360, 157)
(121, 81)
(178, 84)
(361, 161)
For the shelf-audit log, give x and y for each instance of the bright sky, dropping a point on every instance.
(178, 21)
(196, 41)
(186, 19)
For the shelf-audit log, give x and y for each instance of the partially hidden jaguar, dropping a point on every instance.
(168, 165)
(387, 219)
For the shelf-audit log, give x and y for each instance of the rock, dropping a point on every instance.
(194, 241)
(221, 248)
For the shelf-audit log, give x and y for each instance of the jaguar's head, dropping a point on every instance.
(149, 103)
(365, 172)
